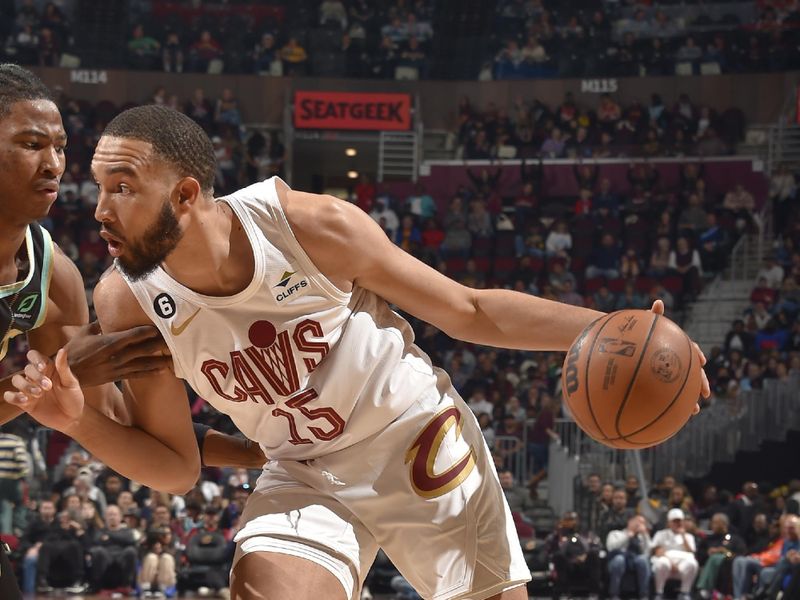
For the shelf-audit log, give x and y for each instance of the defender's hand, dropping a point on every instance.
(48, 391)
(96, 358)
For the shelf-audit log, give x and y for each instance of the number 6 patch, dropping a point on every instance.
(164, 306)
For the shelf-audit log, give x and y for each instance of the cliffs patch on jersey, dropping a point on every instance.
(289, 285)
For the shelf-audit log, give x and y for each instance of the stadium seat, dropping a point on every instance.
(455, 266)
(504, 244)
(616, 286)
(644, 284)
(590, 286)
(504, 266)
(482, 264)
(673, 284)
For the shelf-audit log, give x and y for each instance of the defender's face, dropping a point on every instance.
(135, 204)
(32, 142)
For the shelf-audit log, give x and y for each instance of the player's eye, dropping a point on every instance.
(124, 189)
(31, 145)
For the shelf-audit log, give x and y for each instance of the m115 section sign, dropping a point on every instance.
(345, 110)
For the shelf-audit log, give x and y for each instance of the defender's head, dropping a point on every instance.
(32, 141)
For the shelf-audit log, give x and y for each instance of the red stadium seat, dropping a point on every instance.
(482, 247)
(578, 265)
(616, 286)
(455, 266)
(504, 244)
(590, 286)
(503, 267)
(673, 284)
(643, 284)
(482, 265)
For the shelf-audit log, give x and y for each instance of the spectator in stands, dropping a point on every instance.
(719, 546)
(759, 562)
(559, 241)
(386, 58)
(575, 556)
(541, 434)
(673, 555)
(143, 50)
(409, 237)
(630, 265)
(413, 56)
(604, 300)
(172, 53)
(686, 261)
(294, 57)
(617, 516)
(553, 146)
(771, 272)
(31, 543)
(61, 556)
(763, 294)
(518, 497)
(739, 339)
(790, 557)
(227, 109)
(604, 261)
(206, 554)
(203, 52)
(457, 239)
(199, 109)
(333, 11)
(49, 48)
(113, 553)
(420, 203)
(740, 204)
(693, 217)
(629, 298)
(714, 244)
(157, 576)
(629, 550)
(14, 461)
(479, 221)
(746, 505)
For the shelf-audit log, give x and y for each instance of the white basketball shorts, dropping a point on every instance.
(424, 489)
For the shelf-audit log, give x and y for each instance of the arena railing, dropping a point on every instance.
(728, 426)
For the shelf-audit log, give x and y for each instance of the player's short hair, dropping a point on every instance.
(18, 84)
(175, 138)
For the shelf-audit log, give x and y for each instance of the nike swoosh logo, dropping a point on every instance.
(176, 331)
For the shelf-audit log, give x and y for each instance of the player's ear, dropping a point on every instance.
(186, 192)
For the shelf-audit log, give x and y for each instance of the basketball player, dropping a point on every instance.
(41, 291)
(275, 306)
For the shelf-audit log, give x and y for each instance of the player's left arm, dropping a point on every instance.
(351, 249)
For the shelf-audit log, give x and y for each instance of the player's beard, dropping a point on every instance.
(144, 255)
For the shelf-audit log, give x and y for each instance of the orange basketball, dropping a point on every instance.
(631, 379)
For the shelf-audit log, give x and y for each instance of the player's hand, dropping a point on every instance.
(97, 358)
(48, 391)
(705, 388)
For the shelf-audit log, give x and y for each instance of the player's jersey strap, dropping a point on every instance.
(23, 304)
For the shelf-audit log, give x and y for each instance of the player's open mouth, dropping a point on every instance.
(114, 245)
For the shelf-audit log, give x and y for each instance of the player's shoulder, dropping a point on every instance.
(116, 306)
(65, 293)
(320, 215)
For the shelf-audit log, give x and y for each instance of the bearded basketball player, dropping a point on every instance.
(275, 306)
(41, 291)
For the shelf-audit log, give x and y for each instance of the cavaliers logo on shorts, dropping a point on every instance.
(423, 452)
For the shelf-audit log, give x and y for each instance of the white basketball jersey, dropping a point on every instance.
(300, 366)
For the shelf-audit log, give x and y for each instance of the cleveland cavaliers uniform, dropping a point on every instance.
(23, 304)
(369, 444)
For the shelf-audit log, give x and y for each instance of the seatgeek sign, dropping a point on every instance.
(345, 110)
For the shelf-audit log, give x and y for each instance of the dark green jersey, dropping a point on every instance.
(23, 304)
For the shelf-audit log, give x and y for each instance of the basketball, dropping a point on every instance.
(631, 379)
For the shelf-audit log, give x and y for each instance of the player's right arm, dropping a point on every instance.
(158, 449)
